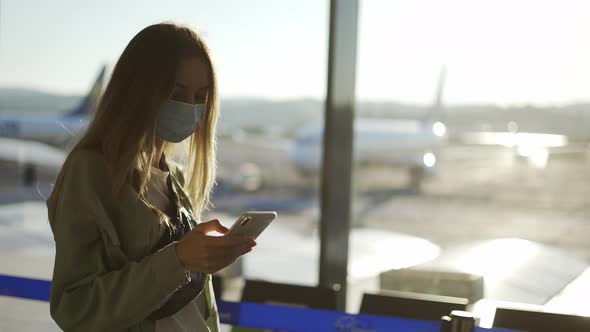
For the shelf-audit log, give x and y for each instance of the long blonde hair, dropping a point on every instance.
(123, 126)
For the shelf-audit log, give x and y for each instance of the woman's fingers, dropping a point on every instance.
(213, 253)
(221, 259)
(211, 226)
(220, 242)
(230, 250)
(230, 253)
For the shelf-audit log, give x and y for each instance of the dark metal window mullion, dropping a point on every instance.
(338, 148)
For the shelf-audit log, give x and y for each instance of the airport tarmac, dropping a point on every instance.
(479, 193)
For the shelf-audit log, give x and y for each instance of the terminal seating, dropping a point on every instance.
(411, 305)
(302, 296)
(538, 321)
(257, 291)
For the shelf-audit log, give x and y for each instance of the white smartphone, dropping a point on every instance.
(252, 223)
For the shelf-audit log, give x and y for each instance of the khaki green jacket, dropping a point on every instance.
(105, 277)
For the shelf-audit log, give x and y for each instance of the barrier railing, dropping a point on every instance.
(262, 316)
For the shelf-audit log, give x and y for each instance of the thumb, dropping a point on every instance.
(211, 226)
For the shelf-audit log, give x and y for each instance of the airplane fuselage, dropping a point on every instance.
(396, 143)
(52, 130)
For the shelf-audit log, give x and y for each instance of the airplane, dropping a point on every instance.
(39, 142)
(397, 143)
(55, 130)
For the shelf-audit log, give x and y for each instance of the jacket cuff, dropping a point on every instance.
(168, 270)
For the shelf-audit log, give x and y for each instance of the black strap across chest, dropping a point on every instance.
(180, 224)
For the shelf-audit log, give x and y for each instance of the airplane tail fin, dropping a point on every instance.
(434, 113)
(90, 100)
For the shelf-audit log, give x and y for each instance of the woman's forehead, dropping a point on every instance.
(193, 73)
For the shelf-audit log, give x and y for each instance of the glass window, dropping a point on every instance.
(472, 144)
(271, 63)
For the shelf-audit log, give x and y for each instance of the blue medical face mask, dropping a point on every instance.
(178, 120)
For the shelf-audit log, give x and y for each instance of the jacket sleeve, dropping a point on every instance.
(87, 294)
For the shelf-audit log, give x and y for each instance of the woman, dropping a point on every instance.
(129, 253)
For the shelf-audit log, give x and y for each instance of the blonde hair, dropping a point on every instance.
(123, 126)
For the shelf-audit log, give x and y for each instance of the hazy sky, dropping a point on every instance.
(496, 51)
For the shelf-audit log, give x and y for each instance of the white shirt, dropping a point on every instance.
(190, 317)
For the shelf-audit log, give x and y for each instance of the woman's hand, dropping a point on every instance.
(199, 252)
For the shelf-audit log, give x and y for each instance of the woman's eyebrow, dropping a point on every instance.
(180, 85)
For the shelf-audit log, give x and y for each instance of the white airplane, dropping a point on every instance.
(406, 143)
(35, 142)
(54, 130)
